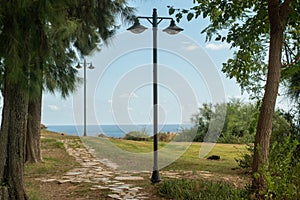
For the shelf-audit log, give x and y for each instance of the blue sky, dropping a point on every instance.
(119, 89)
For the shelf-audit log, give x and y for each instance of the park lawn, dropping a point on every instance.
(189, 160)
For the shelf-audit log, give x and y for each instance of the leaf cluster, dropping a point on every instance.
(40, 40)
(245, 26)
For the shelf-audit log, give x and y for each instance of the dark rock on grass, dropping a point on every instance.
(214, 157)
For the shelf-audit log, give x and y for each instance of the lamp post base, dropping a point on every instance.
(155, 178)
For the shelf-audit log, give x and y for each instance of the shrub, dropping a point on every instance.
(137, 136)
(189, 135)
(166, 137)
(199, 189)
(246, 159)
(282, 174)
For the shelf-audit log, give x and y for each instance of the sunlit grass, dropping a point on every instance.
(190, 159)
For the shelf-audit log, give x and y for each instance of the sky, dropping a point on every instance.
(119, 89)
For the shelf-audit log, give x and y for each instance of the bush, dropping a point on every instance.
(166, 137)
(246, 158)
(188, 135)
(283, 173)
(233, 139)
(137, 136)
(199, 189)
(284, 167)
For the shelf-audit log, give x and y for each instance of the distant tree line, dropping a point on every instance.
(239, 123)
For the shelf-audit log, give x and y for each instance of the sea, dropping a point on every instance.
(116, 131)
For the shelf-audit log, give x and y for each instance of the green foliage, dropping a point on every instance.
(236, 121)
(291, 75)
(199, 189)
(246, 158)
(39, 40)
(283, 127)
(247, 28)
(137, 136)
(188, 135)
(97, 21)
(282, 173)
(239, 123)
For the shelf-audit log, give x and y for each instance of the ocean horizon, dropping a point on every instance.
(116, 131)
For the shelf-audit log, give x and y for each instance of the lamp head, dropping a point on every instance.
(173, 29)
(91, 66)
(78, 66)
(137, 27)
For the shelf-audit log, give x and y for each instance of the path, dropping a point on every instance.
(101, 174)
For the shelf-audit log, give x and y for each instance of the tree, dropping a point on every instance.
(13, 51)
(239, 123)
(253, 28)
(86, 36)
(25, 43)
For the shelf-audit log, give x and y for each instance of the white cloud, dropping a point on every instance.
(53, 107)
(192, 47)
(213, 46)
(188, 46)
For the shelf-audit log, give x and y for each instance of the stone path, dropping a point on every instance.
(101, 174)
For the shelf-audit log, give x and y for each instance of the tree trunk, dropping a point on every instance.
(12, 143)
(33, 134)
(277, 16)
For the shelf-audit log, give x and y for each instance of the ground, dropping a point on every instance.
(70, 171)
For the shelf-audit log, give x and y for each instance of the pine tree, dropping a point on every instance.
(36, 39)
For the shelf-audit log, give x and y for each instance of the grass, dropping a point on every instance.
(190, 160)
(56, 162)
(135, 146)
(199, 189)
(117, 149)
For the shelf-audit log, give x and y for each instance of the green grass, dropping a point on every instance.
(191, 160)
(199, 189)
(135, 146)
(123, 152)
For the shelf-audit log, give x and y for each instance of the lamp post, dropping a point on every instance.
(84, 91)
(172, 29)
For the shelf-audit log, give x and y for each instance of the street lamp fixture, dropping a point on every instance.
(84, 90)
(137, 28)
(172, 29)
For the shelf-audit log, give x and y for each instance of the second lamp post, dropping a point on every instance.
(172, 29)
(84, 91)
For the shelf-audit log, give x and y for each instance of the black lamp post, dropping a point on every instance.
(84, 91)
(172, 29)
